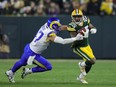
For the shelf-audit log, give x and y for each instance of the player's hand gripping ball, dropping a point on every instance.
(84, 32)
(81, 31)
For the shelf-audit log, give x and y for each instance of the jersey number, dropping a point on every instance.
(39, 36)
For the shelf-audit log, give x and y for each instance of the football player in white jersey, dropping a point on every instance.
(33, 50)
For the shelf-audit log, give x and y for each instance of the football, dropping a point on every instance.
(81, 31)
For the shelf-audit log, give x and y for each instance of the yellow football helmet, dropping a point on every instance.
(77, 15)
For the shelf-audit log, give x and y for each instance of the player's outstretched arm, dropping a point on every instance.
(63, 27)
(60, 40)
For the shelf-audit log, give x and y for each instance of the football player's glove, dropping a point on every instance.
(93, 30)
(79, 37)
(84, 32)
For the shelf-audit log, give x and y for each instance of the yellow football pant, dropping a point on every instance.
(85, 52)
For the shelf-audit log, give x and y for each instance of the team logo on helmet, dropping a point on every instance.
(54, 23)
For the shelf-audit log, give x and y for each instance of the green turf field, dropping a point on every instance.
(64, 73)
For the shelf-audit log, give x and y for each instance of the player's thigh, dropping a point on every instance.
(85, 52)
(41, 61)
(75, 51)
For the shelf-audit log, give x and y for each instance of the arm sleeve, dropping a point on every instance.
(64, 41)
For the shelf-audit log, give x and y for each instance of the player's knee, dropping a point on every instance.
(90, 62)
(93, 61)
(49, 67)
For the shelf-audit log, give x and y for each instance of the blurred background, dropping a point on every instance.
(21, 19)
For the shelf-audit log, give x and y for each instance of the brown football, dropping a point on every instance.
(81, 31)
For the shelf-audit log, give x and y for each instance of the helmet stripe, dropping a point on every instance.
(77, 11)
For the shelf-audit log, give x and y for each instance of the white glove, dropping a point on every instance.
(79, 37)
(93, 30)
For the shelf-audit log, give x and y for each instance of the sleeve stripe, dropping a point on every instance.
(70, 29)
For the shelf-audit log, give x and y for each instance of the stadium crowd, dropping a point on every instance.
(56, 7)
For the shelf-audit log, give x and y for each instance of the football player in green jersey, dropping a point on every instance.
(79, 24)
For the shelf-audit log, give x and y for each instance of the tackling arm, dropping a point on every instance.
(64, 41)
(60, 40)
(73, 34)
(63, 27)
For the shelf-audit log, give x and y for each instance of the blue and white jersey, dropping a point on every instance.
(40, 43)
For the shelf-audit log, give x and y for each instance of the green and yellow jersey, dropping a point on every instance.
(72, 27)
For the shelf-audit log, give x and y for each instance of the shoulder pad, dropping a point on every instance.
(71, 26)
(86, 19)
